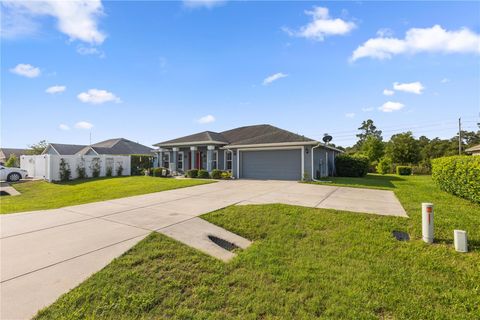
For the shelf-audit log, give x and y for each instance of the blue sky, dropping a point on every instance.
(151, 71)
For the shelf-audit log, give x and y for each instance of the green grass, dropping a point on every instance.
(372, 181)
(304, 263)
(39, 195)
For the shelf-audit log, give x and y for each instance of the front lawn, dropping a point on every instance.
(304, 263)
(39, 195)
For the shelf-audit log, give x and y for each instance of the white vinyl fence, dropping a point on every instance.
(48, 166)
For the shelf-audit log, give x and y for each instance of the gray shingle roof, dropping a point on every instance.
(474, 148)
(121, 146)
(256, 134)
(6, 152)
(67, 149)
(206, 136)
(118, 146)
(260, 134)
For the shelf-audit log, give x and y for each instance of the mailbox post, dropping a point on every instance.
(427, 222)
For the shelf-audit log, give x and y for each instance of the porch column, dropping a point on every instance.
(210, 157)
(174, 161)
(160, 158)
(192, 157)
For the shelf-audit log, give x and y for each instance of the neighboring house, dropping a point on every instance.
(475, 150)
(118, 146)
(5, 153)
(252, 152)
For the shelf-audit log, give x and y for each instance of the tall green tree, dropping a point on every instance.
(403, 148)
(38, 148)
(367, 129)
(373, 148)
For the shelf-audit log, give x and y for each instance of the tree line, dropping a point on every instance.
(405, 149)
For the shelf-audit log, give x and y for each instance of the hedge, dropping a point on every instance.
(351, 166)
(459, 175)
(140, 162)
(404, 170)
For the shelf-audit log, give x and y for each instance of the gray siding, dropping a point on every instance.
(271, 164)
(322, 167)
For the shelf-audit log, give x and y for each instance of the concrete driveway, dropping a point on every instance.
(46, 253)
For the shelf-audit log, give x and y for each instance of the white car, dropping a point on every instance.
(12, 174)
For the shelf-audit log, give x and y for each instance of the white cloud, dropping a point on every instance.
(274, 77)
(55, 89)
(83, 125)
(96, 96)
(90, 51)
(445, 80)
(322, 25)
(26, 70)
(206, 119)
(367, 109)
(350, 115)
(412, 87)
(193, 4)
(64, 127)
(434, 39)
(77, 19)
(391, 106)
(388, 92)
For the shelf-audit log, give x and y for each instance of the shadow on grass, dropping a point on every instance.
(473, 245)
(87, 180)
(370, 181)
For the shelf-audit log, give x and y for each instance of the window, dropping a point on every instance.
(180, 161)
(215, 160)
(165, 159)
(228, 160)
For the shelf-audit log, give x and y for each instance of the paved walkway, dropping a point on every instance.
(46, 253)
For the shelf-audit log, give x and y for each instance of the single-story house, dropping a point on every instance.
(119, 146)
(475, 150)
(251, 152)
(5, 153)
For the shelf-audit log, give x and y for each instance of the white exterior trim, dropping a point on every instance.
(215, 158)
(210, 147)
(278, 144)
(303, 162)
(50, 146)
(225, 159)
(193, 148)
(189, 143)
(168, 154)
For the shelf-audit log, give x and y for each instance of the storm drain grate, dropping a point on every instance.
(227, 245)
(401, 236)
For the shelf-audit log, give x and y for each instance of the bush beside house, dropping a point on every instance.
(351, 166)
(459, 175)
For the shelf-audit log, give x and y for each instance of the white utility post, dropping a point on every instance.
(460, 240)
(427, 222)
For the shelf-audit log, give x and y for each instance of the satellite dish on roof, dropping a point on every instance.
(327, 138)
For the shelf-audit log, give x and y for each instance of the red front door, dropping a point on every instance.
(198, 160)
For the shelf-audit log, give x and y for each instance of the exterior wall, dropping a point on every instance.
(50, 151)
(48, 166)
(321, 166)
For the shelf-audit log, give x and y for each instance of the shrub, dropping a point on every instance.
(140, 163)
(422, 168)
(81, 172)
(203, 174)
(192, 173)
(157, 172)
(95, 167)
(119, 169)
(459, 175)
(65, 172)
(351, 166)
(384, 165)
(226, 175)
(108, 171)
(216, 174)
(12, 161)
(404, 170)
